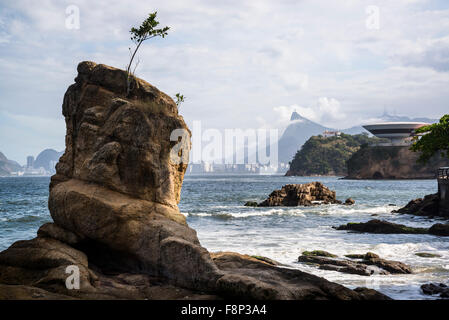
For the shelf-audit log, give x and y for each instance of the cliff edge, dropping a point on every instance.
(391, 162)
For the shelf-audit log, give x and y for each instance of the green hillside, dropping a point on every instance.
(327, 155)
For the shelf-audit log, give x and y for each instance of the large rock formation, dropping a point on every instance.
(394, 162)
(306, 194)
(114, 205)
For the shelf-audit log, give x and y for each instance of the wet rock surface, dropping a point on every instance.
(380, 226)
(436, 289)
(115, 217)
(361, 264)
(385, 227)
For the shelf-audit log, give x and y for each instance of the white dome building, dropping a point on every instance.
(398, 132)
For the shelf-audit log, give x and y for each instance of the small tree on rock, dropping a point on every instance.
(146, 31)
(179, 99)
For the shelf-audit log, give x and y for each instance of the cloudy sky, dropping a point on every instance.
(239, 63)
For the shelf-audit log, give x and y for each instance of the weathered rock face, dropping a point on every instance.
(300, 195)
(114, 205)
(395, 162)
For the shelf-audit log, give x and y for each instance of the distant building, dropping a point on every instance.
(30, 162)
(329, 133)
(399, 133)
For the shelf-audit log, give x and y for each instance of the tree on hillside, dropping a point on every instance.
(434, 138)
(146, 31)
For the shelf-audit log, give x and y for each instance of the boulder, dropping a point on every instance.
(349, 202)
(114, 200)
(436, 288)
(427, 206)
(307, 194)
(440, 229)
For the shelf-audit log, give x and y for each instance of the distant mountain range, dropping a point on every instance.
(7, 166)
(46, 159)
(301, 129)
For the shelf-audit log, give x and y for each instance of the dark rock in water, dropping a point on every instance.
(380, 226)
(427, 255)
(427, 206)
(436, 288)
(250, 277)
(385, 227)
(307, 194)
(114, 203)
(251, 204)
(439, 229)
(362, 267)
(319, 253)
(349, 201)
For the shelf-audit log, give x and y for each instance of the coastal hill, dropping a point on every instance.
(7, 166)
(391, 162)
(327, 155)
(301, 129)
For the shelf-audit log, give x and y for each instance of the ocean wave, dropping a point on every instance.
(246, 214)
(330, 210)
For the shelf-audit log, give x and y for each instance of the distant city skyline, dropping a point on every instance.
(239, 64)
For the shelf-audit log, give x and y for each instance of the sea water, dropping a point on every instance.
(213, 205)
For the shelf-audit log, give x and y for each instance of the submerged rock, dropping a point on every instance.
(427, 255)
(114, 203)
(380, 226)
(363, 265)
(250, 204)
(319, 253)
(307, 194)
(385, 227)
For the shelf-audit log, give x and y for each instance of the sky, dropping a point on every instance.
(239, 63)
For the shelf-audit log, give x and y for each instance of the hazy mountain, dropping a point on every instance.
(296, 134)
(7, 166)
(46, 159)
(396, 118)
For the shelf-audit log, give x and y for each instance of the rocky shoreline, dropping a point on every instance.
(115, 217)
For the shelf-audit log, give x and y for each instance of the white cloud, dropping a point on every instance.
(236, 60)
